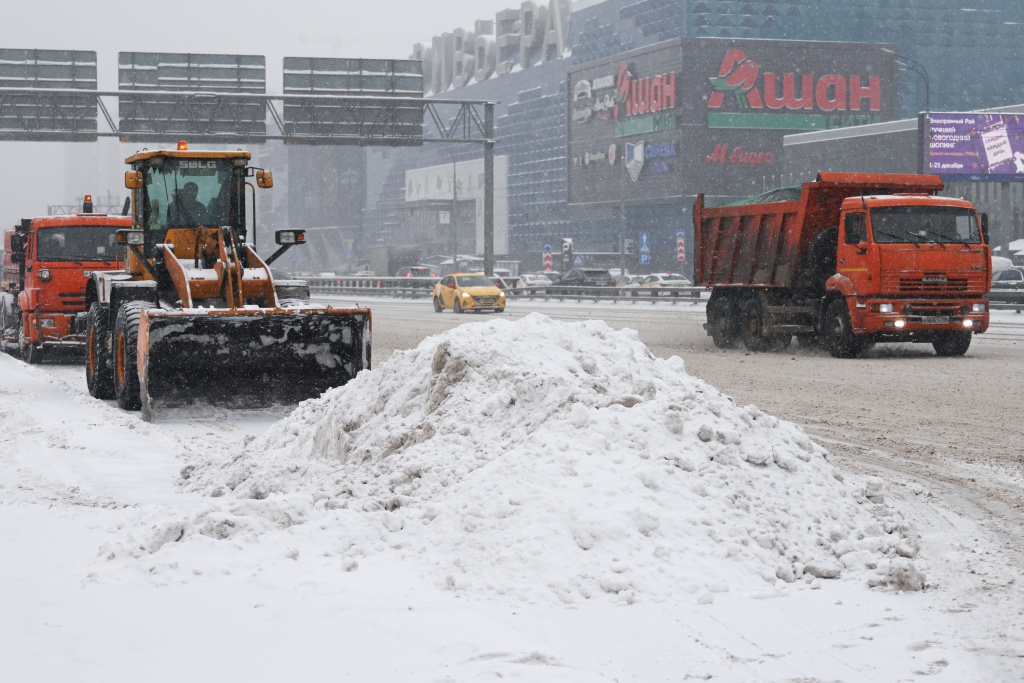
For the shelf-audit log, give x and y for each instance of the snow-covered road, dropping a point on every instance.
(95, 585)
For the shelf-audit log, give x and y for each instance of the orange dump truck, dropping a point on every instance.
(846, 261)
(46, 265)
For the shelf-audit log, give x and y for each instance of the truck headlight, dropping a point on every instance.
(968, 323)
(47, 323)
(979, 308)
(885, 308)
(44, 274)
(901, 323)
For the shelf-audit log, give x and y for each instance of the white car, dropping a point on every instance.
(665, 280)
(534, 280)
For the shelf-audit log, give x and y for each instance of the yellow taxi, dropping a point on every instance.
(463, 292)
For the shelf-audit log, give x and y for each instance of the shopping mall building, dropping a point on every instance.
(614, 114)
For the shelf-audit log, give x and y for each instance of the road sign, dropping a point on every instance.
(577, 260)
(547, 247)
(549, 263)
(680, 245)
(645, 243)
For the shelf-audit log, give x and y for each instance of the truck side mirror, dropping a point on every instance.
(17, 244)
(17, 257)
(984, 227)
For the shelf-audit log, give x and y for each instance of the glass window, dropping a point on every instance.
(77, 243)
(474, 281)
(925, 224)
(188, 193)
(854, 228)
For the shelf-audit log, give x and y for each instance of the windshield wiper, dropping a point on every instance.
(896, 238)
(941, 244)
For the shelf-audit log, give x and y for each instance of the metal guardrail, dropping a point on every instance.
(423, 287)
(1006, 301)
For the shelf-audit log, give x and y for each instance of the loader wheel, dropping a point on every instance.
(99, 371)
(437, 305)
(723, 323)
(750, 326)
(126, 361)
(458, 307)
(838, 332)
(952, 344)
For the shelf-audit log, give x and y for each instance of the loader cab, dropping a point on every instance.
(184, 189)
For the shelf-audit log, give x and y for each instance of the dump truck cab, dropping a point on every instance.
(910, 263)
(46, 265)
(195, 317)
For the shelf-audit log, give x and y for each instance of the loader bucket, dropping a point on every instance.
(247, 358)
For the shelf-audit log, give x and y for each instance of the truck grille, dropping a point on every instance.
(934, 284)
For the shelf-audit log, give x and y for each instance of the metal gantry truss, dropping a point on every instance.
(132, 116)
(66, 115)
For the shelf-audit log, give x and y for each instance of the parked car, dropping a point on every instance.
(629, 280)
(666, 280)
(534, 280)
(1011, 278)
(463, 292)
(587, 277)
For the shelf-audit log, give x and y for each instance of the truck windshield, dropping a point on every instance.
(77, 243)
(188, 193)
(918, 224)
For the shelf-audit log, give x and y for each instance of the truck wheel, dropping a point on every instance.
(750, 326)
(952, 344)
(99, 371)
(10, 322)
(29, 353)
(839, 337)
(723, 323)
(437, 305)
(126, 364)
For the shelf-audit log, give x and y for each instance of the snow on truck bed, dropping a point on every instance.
(536, 460)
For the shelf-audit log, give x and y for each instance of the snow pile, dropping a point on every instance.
(538, 459)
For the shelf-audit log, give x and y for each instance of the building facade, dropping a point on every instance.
(727, 79)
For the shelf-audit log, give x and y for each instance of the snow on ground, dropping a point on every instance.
(541, 460)
(532, 501)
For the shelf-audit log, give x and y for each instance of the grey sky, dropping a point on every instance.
(273, 28)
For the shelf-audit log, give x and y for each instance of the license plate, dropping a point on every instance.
(937, 320)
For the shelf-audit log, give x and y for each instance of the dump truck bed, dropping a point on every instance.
(762, 242)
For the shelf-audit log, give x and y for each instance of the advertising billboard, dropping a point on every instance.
(975, 147)
(709, 114)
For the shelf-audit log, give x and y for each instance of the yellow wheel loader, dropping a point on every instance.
(195, 318)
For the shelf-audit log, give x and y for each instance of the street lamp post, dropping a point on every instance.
(908, 64)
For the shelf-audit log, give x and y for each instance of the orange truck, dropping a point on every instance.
(846, 261)
(47, 262)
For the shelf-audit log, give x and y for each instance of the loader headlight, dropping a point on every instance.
(979, 308)
(133, 237)
(290, 236)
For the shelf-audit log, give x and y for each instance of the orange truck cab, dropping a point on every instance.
(47, 263)
(846, 261)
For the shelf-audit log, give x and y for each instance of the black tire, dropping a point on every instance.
(458, 307)
(29, 353)
(126, 365)
(724, 324)
(10, 323)
(751, 325)
(952, 343)
(437, 305)
(838, 334)
(99, 368)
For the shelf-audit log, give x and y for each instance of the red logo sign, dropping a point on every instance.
(722, 155)
(739, 75)
(641, 96)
